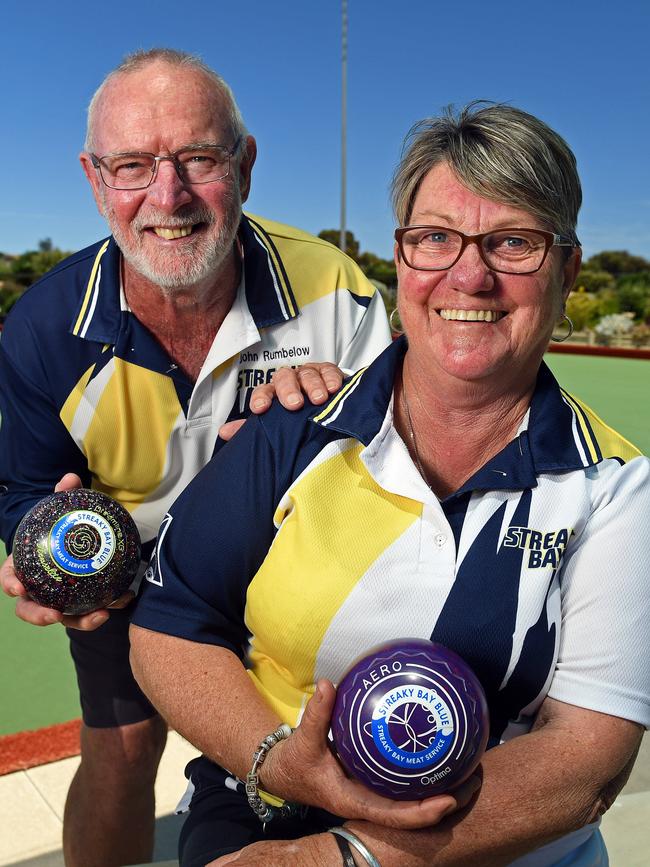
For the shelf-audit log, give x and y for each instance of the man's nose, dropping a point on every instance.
(470, 274)
(167, 190)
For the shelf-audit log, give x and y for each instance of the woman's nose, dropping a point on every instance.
(470, 274)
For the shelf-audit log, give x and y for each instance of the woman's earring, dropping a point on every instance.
(396, 329)
(568, 334)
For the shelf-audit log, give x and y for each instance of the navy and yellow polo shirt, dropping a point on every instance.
(85, 388)
(312, 537)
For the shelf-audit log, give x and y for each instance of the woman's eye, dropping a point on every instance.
(509, 244)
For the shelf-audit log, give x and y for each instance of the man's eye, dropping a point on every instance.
(128, 166)
(200, 159)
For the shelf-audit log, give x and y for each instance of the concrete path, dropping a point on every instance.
(32, 809)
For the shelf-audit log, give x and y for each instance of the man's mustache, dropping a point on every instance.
(173, 221)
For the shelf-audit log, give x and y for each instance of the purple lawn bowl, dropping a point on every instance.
(410, 719)
(76, 551)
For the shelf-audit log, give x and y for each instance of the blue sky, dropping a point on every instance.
(580, 65)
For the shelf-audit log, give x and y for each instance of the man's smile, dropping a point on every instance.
(170, 234)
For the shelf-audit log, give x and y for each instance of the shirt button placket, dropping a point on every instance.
(440, 540)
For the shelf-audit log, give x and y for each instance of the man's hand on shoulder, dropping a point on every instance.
(39, 615)
(317, 380)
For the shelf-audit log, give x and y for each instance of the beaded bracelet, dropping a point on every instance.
(265, 812)
(344, 848)
(358, 844)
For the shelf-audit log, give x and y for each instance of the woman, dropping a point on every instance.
(451, 490)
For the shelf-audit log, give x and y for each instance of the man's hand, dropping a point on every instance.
(39, 615)
(303, 769)
(316, 380)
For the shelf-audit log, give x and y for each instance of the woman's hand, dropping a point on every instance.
(304, 769)
(312, 851)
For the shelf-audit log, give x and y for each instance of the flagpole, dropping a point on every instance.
(344, 83)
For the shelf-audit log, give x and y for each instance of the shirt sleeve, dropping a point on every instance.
(211, 544)
(604, 639)
(371, 337)
(36, 449)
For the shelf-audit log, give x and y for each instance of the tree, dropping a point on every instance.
(388, 295)
(634, 297)
(375, 268)
(5, 266)
(334, 237)
(609, 302)
(617, 262)
(10, 292)
(29, 266)
(583, 309)
(594, 281)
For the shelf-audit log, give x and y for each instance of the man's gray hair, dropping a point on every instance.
(498, 152)
(140, 59)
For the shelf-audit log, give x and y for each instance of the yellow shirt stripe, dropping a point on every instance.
(89, 287)
(361, 521)
(610, 442)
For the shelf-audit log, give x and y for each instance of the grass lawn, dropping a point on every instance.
(617, 389)
(37, 681)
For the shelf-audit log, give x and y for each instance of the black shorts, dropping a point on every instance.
(221, 821)
(109, 695)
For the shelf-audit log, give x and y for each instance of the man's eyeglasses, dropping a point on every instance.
(508, 251)
(195, 164)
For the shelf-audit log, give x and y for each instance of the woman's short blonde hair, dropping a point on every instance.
(498, 152)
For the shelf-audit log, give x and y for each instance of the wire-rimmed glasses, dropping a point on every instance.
(194, 164)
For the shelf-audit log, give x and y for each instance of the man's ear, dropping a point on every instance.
(246, 163)
(93, 179)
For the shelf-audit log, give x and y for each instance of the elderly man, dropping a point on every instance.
(118, 368)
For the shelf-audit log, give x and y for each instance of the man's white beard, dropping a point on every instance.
(193, 258)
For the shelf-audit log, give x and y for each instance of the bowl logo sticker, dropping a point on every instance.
(412, 726)
(82, 543)
(410, 719)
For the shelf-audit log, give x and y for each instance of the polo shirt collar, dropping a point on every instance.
(548, 440)
(268, 289)
(269, 295)
(98, 316)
